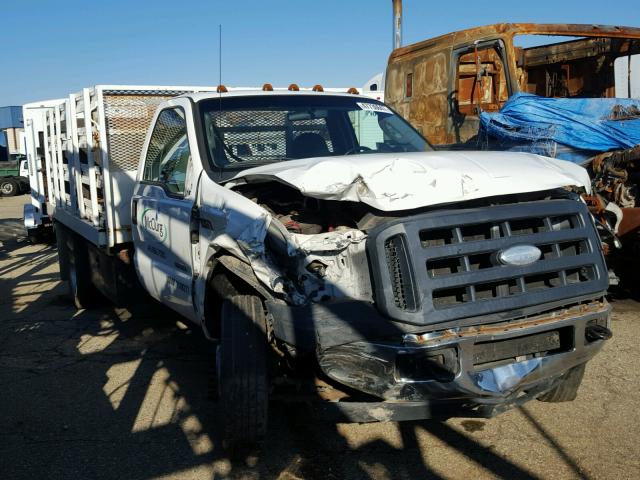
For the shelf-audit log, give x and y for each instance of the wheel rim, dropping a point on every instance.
(6, 188)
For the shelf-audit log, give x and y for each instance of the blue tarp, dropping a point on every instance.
(573, 128)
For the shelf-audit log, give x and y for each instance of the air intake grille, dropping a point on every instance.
(444, 265)
(400, 273)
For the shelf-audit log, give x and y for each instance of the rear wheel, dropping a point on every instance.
(73, 258)
(567, 388)
(241, 367)
(81, 289)
(34, 236)
(9, 187)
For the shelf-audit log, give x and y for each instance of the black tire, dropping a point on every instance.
(34, 236)
(567, 388)
(9, 187)
(241, 367)
(82, 291)
(62, 240)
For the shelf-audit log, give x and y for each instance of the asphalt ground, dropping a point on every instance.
(116, 394)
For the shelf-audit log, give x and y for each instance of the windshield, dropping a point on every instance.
(243, 132)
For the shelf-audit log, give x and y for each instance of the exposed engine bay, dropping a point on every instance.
(305, 215)
(300, 214)
(331, 261)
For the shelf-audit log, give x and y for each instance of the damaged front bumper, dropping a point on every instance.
(471, 371)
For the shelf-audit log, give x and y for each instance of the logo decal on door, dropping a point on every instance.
(150, 221)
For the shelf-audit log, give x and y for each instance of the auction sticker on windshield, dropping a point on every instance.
(374, 107)
(150, 220)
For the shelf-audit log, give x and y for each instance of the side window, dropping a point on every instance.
(408, 86)
(168, 155)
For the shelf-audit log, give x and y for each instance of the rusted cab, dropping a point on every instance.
(440, 84)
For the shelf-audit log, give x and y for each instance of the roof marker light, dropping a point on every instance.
(293, 88)
(221, 89)
(353, 91)
(318, 88)
(267, 87)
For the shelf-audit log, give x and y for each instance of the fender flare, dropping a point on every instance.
(235, 268)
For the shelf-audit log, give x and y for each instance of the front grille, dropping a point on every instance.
(444, 265)
(439, 267)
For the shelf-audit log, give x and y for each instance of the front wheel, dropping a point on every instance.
(567, 388)
(241, 367)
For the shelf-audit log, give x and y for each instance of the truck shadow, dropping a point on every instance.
(113, 393)
(142, 409)
(11, 233)
(123, 393)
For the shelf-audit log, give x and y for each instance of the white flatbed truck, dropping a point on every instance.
(320, 230)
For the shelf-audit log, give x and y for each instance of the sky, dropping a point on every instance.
(50, 48)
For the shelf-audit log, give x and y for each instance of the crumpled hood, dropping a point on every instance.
(402, 181)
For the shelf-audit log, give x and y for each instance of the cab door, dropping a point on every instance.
(163, 206)
(481, 83)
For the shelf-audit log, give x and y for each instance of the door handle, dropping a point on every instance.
(134, 211)
(194, 225)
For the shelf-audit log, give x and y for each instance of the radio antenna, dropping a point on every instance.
(213, 121)
(220, 54)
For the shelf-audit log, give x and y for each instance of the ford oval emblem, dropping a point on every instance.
(519, 255)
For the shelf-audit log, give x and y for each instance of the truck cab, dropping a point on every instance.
(319, 237)
(440, 85)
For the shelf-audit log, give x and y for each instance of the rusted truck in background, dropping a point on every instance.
(446, 86)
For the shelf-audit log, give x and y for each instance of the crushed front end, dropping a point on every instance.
(453, 328)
